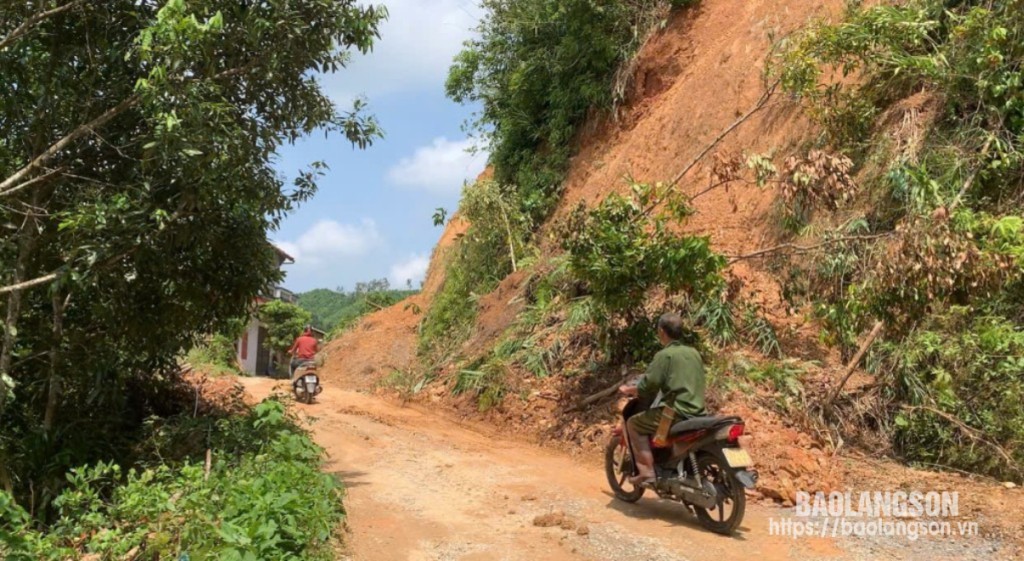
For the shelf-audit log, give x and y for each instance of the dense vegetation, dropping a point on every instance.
(538, 67)
(136, 194)
(217, 354)
(264, 497)
(333, 310)
(943, 192)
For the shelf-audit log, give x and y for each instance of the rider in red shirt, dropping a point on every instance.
(304, 349)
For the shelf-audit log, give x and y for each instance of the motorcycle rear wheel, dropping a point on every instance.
(618, 466)
(302, 396)
(731, 496)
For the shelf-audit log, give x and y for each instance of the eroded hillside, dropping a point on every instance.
(700, 109)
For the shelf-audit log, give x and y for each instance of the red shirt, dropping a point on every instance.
(304, 347)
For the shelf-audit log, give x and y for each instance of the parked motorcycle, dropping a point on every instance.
(702, 465)
(307, 384)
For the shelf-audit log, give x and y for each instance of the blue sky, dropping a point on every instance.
(372, 215)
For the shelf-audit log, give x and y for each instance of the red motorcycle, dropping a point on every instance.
(702, 465)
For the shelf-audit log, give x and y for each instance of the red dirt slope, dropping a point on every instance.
(386, 340)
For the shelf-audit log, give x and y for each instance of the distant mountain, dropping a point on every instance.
(332, 309)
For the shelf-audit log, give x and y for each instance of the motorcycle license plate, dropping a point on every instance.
(737, 457)
(310, 379)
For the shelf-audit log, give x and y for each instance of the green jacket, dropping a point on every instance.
(676, 370)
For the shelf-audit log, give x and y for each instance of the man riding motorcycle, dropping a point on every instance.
(677, 372)
(303, 350)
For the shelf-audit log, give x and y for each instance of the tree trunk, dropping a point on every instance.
(25, 248)
(879, 325)
(53, 396)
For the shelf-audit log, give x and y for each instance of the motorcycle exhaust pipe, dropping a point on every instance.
(704, 497)
(747, 478)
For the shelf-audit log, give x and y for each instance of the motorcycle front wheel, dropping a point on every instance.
(618, 466)
(732, 501)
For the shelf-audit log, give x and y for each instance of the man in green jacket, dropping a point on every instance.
(677, 371)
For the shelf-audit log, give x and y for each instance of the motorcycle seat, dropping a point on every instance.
(703, 423)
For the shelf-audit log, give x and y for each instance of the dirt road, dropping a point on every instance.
(421, 486)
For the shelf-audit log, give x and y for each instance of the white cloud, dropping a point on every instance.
(417, 44)
(328, 239)
(414, 268)
(440, 167)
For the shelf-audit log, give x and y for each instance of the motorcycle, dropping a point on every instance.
(701, 465)
(307, 384)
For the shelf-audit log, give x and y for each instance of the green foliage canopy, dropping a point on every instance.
(136, 193)
(284, 323)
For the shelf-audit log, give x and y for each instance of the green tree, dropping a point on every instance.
(284, 323)
(136, 194)
(622, 249)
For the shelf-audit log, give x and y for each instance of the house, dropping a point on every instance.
(254, 354)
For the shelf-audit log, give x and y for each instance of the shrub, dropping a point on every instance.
(623, 248)
(958, 382)
(486, 381)
(485, 254)
(264, 498)
(217, 353)
(967, 56)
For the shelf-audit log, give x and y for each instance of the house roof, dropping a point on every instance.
(283, 254)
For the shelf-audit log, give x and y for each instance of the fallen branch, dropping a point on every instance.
(596, 397)
(972, 433)
(807, 248)
(970, 179)
(761, 103)
(853, 364)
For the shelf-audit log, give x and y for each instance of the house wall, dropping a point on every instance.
(251, 341)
